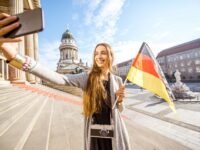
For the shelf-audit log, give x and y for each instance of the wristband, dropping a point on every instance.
(22, 62)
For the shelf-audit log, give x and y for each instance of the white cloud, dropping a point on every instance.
(49, 54)
(157, 24)
(102, 16)
(197, 29)
(93, 4)
(86, 57)
(126, 50)
(163, 34)
(156, 47)
(158, 36)
(109, 12)
(79, 2)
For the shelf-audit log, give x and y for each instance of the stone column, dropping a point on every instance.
(1, 69)
(15, 75)
(7, 72)
(29, 43)
(36, 53)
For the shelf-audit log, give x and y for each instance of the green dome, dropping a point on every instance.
(67, 35)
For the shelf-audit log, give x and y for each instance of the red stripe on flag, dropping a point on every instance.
(146, 64)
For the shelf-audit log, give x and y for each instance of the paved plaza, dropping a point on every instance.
(35, 117)
(154, 114)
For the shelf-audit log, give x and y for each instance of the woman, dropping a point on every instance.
(100, 88)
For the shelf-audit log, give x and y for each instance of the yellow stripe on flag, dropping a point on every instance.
(149, 82)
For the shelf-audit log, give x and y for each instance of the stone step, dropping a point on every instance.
(58, 133)
(10, 96)
(16, 129)
(56, 91)
(30, 115)
(13, 108)
(10, 99)
(69, 89)
(74, 130)
(38, 127)
(10, 89)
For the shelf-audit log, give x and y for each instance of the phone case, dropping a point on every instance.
(31, 21)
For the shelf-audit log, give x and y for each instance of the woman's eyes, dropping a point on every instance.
(102, 53)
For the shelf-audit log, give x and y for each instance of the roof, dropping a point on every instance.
(67, 35)
(180, 48)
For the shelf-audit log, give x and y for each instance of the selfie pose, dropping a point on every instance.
(104, 128)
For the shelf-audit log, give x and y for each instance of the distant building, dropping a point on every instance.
(69, 62)
(123, 68)
(184, 57)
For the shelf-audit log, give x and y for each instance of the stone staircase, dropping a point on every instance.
(36, 117)
(69, 89)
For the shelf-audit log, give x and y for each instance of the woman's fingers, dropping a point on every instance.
(3, 15)
(120, 94)
(7, 20)
(120, 99)
(8, 28)
(2, 40)
(6, 24)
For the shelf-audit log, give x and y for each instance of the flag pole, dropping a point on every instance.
(124, 85)
(118, 96)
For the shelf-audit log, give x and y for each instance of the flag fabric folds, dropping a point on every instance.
(146, 73)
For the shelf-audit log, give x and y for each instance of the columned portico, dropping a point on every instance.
(28, 46)
(29, 43)
(15, 75)
(36, 53)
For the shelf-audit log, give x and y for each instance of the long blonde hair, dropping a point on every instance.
(95, 91)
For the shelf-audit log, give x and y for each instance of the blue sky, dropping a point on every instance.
(124, 24)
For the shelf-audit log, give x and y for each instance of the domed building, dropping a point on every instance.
(69, 62)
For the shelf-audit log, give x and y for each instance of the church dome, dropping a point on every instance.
(67, 35)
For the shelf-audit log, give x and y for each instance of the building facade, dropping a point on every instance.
(69, 62)
(123, 68)
(184, 57)
(28, 46)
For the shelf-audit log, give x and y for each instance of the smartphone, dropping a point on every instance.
(31, 21)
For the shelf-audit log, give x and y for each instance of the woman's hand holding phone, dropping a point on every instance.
(25, 23)
(8, 45)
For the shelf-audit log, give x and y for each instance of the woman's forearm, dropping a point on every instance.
(27, 64)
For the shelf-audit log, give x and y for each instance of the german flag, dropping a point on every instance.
(146, 73)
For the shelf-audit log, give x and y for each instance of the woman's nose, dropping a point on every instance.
(99, 56)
